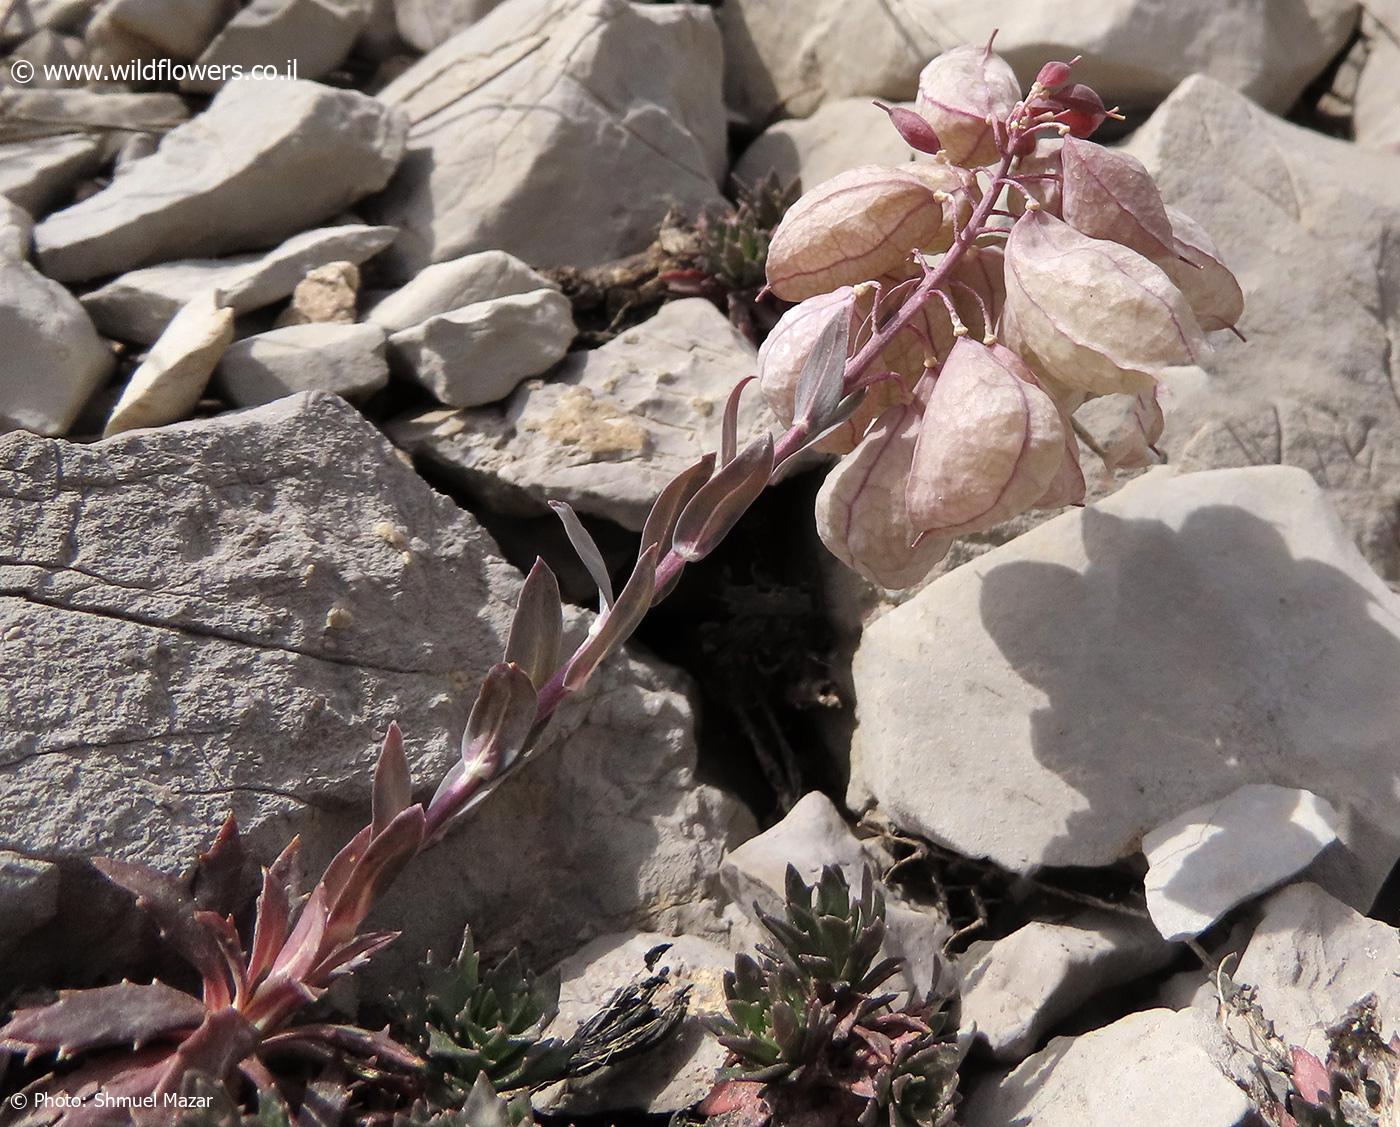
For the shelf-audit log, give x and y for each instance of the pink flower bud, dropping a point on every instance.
(958, 92)
(1211, 289)
(1092, 314)
(785, 351)
(1108, 194)
(991, 443)
(860, 510)
(918, 134)
(1082, 109)
(859, 225)
(1053, 75)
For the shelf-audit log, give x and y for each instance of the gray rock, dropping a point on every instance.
(609, 428)
(264, 161)
(426, 23)
(1314, 385)
(446, 286)
(317, 34)
(480, 353)
(38, 175)
(346, 360)
(147, 30)
(16, 230)
(1208, 860)
(1134, 51)
(557, 130)
(30, 16)
(28, 897)
(1157, 1067)
(29, 114)
(45, 49)
(139, 305)
(52, 360)
(1016, 989)
(675, 1074)
(840, 135)
(238, 607)
(1375, 120)
(1311, 957)
(174, 374)
(1055, 699)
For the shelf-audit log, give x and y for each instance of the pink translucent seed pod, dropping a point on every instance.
(1108, 194)
(991, 444)
(1210, 287)
(958, 92)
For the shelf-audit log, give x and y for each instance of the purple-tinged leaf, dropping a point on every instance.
(500, 719)
(666, 510)
(299, 952)
(112, 1074)
(918, 134)
(274, 913)
(230, 948)
(729, 423)
(215, 1049)
(822, 382)
(382, 862)
(393, 785)
(221, 873)
(721, 501)
(128, 1014)
(586, 549)
(538, 626)
(351, 955)
(1311, 1080)
(363, 1043)
(617, 625)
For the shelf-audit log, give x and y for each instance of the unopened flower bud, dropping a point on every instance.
(1211, 289)
(1053, 75)
(861, 513)
(991, 443)
(918, 134)
(1108, 194)
(1082, 110)
(1092, 314)
(958, 92)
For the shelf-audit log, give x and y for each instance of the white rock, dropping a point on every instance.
(1016, 989)
(30, 16)
(264, 161)
(137, 306)
(1206, 861)
(46, 49)
(40, 174)
(1134, 51)
(346, 360)
(52, 359)
(174, 374)
(558, 130)
(1375, 119)
(1156, 1067)
(610, 427)
(317, 34)
(1314, 384)
(480, 353)
(1311, 958)
(16, 230)
(426, 23)
(147, 30)
(28, 114)
(1052, 701)
(677, 1073)
(450, 285)
(840, 135)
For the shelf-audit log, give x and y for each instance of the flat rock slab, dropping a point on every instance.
(454, 284)
(1206, 861)
(228, 614)
(345, 360)
(559, 131)
(264, 161)
(1052, 701)
(1315, 384)
(609, 428)
(39, 175)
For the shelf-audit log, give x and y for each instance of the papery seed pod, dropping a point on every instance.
(786, 349)
(1033, 172)
(958, 92)
(1210, 287)
(1131, 444)
(1092, 314)
(1067, 487)
(858, 225)
(861, 513)
(879, 397)
(1108, 194)
(991, 443)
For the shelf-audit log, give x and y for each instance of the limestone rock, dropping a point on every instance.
(1206, 861)
(454, 284)
(1157, 1067)
(52, 359)
(426, 23)
(318, 34)
(840, 135)
(30, 16)
(40, 174)
(16, 230)
(47, 48)
(140, 30)
(346, 360)
(264, 161)
(557, 130)
(326, 296)
(1017, 989)
(1375, 120)
(609, 428)
(480, 353)
(1055, 699)
(30, 114)
(1134, 51)
(1311, 957)
(1314, 385)
(675, 1074)
(238, 607)
(174, 374)
(138, 306)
